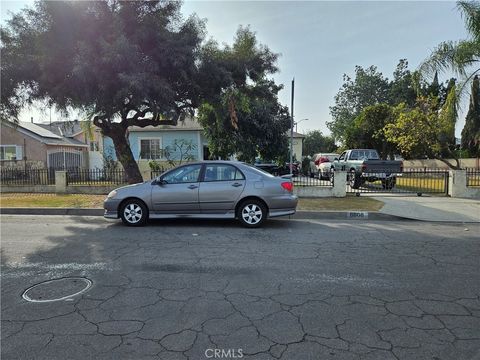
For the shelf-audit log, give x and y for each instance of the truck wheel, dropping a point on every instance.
(389, 184)
(354, 180)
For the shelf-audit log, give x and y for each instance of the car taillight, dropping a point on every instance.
(317, 162)
(364, 167)
(287, 185)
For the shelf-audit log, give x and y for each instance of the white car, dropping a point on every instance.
(321, 165)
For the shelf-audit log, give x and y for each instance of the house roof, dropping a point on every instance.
(43, 135)
(63, 128)
(188, 124)
(296, 135)
(38, 130)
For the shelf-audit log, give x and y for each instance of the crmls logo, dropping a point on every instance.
(224, 354)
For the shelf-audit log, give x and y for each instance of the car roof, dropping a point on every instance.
(231, 162)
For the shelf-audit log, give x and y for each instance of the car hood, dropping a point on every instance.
(128, 187)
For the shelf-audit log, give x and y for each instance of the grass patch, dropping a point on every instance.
(51, 200)
(96, 201)
(353, 203)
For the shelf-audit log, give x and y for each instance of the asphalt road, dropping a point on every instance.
(209, 290)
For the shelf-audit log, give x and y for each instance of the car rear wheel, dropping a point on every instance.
(252, 213)
(134, 213)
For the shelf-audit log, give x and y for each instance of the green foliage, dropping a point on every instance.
(367, 130)
(179, 151)
(402, 89)
(242, 115)
(425, 130)
(471, 130)
(123, 62)
(315, 142)
(369, 87)
(462, 57)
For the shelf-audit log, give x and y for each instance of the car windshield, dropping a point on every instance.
(364, 155)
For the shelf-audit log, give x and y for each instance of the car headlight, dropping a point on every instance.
(112, 194)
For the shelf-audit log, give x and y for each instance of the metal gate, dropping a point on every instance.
(411, 181)
(64, 159)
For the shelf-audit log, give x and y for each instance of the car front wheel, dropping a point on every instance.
(252, 213)
(134, 213)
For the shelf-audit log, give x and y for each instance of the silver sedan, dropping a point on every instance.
(208, 189)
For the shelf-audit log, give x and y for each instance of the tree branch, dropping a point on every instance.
(143, 122)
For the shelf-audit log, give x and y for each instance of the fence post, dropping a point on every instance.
(457, 183)
(60, 182)
(340, 184)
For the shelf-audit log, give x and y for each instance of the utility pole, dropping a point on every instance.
(291, 128)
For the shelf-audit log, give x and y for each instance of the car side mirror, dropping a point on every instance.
(336, 159)
(159, 182)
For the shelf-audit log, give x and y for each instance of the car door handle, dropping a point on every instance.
(236, 184)
(193, 187)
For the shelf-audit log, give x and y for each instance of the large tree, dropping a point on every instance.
(316, 142)
(369, 87)
(367, 130)
(471, 130)
(241, 113)
(123, 63)
(426, 129)
(462, 57)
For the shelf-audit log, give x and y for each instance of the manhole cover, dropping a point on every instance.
(57, 289)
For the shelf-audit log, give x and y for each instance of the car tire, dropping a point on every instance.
(389, 184)
(354, 180)
(331, 175)
(252, 213)
(134, 213)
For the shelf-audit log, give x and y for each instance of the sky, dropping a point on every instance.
(319, 41)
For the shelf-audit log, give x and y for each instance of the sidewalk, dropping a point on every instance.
(443, 209)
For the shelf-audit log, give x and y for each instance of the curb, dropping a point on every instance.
(52, 211)
(300, 215)
(347, 215)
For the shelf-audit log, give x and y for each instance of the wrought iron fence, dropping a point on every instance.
(159, 171)
(302, 180)
(27, 177)
(97, 177)
(417, 181)
(473, 177)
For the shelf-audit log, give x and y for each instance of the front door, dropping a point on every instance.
(177, 192)
(222, 185)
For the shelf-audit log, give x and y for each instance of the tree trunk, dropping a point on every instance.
(450, 165)
(118, 134)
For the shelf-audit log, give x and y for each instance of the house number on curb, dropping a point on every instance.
(357, 214)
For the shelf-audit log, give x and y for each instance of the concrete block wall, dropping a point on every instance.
(457, 186)
(337, 190)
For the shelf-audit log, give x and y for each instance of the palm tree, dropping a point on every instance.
(463, 56)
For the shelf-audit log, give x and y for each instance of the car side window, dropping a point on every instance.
(184, 174)
(222, 172)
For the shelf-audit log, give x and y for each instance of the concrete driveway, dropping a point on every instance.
(295, 289)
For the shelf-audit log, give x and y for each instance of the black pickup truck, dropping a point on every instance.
(365, 165)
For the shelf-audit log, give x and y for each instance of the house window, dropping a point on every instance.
(150, 149)
(93, 145)
(10, 152)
